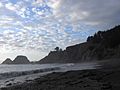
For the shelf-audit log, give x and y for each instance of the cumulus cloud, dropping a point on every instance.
(41, 25)
(92, 12)
(1, 4)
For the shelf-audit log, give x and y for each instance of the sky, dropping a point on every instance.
(35, 27)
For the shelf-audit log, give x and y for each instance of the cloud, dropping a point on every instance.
(91, 12)
(41, 25)
(10, 6)
(1, 5)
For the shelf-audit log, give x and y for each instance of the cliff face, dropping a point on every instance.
(55, 57)
(103, 45)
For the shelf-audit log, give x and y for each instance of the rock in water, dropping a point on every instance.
(21, 60)
(7, 61)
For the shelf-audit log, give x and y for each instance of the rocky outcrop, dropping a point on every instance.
(7, 61)
(21, 60)
(18, 60)
(103, 45)
(55, 57)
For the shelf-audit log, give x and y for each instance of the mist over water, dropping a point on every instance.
(30, 67)
(20, 73)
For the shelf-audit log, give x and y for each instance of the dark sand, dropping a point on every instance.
(107, 78)
(74, 80)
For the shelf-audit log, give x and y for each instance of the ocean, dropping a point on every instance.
(8, 71)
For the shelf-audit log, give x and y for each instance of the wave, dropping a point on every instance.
(50, 68)
(22, 73)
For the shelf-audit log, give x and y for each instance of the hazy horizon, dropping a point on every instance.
(35, 27)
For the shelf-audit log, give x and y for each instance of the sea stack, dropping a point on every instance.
(21, 60)
(7, 61)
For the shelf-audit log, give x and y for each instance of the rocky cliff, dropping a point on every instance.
(103, 45)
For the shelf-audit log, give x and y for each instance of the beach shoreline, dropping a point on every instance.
(95, 79)
(105, 77)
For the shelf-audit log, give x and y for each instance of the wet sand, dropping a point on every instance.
(74, 80)
(106, 78)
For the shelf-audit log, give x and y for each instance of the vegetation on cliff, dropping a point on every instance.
(103, 45)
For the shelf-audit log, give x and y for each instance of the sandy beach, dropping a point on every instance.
(18, 77)
(100, 79)
(104, 77)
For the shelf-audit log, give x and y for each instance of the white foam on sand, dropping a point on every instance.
(30, 75)
(20, 79)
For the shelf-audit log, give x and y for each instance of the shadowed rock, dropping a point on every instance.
(21, 60)
(7, 61)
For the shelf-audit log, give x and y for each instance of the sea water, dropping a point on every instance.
(8, 71)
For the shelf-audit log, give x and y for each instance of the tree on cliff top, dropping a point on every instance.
(57, 49)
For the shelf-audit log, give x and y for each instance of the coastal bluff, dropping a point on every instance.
(101, 46)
